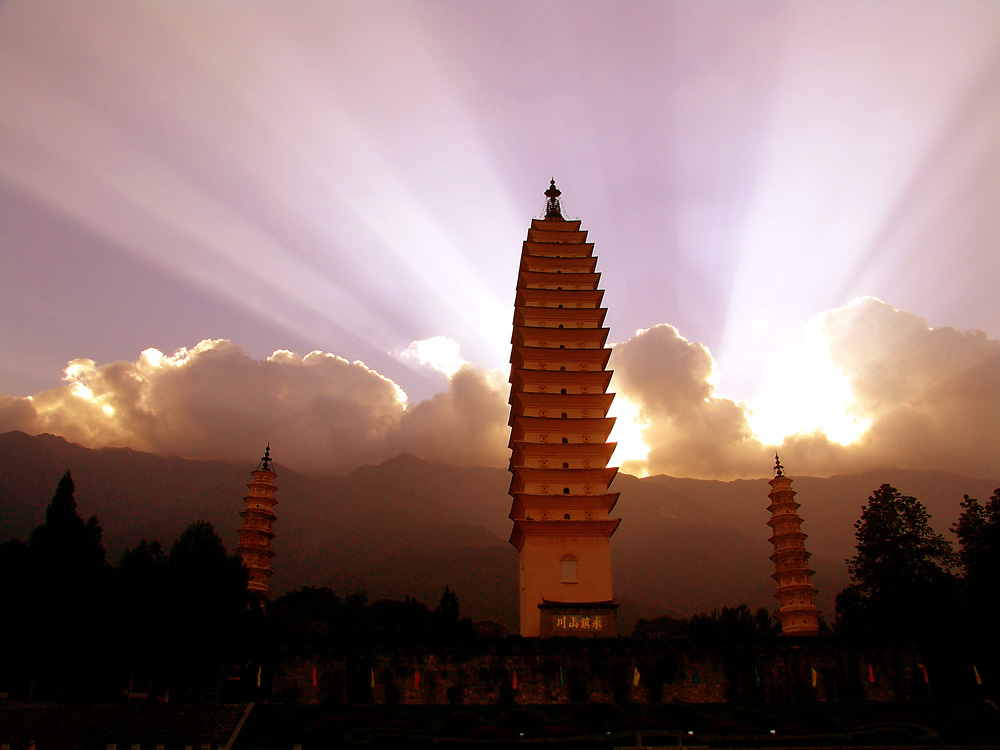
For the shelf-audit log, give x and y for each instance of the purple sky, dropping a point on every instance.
(354, 177)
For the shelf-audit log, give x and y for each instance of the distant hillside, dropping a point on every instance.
(409, 526)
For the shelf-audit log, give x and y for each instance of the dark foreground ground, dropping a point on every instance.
(937, 724)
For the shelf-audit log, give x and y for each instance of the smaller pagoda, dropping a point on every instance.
(796, 594)
(256, 533)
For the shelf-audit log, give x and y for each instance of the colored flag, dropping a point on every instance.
(635, 676)
(813, 669)
(561, 683)
(416, 679)
(871, 674)
(695, 676)
(923, 669)
(258, 676)
(515, 679)
(979, 680)
(756, 676)
(314, 676)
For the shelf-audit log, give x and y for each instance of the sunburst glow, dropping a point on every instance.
(627, 432)
(802, 392)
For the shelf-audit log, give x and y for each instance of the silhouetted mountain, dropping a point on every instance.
(409, 526)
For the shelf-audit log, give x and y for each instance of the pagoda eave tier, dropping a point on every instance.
(556, 231)
(535, 248)
(525, 504)
(254, 551)
(788, 589)
(567, 299)
(545, 380)
(553, 317)
(552, 400)
(558, 264)
(789, 536)
(577, 280)
(548, 358)
(554, 338)
(548, 529)
(582, 430)
(553, 451)
(790, 506)
(247, 534)
(557, 476)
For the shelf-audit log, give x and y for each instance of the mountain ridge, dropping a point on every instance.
(411, 526)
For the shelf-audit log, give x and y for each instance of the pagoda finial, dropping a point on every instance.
(552, 208)
(777, 466)
(265, 461)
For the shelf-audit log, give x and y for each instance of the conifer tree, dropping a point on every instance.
(208, 604)
(69, 596)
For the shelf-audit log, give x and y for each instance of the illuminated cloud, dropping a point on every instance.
(466, 424)
(927, 398)
(932, 394)
(438, 352)
(689, 431)
(321, 412)
(872, 386)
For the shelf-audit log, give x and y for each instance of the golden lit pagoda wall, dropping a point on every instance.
(561, 503)
(796, 593)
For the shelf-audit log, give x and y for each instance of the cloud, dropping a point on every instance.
(932, 394)
(930, 398)
(689, 431)
(467, 424)
(320, 412)
(438, 352)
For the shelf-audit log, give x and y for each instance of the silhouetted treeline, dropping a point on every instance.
(728, 622)
(907, 579)
(908, 583)
(179, 624)
(310, 616)
(159, 623)
(166, 625)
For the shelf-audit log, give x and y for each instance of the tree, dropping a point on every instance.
(901, 579)
(141, 599)
(728, 622)
(310, 616)
(208, 605)
(69, 581)
(978, 532)
(447, 622)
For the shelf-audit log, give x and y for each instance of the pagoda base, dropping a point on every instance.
(578, 619)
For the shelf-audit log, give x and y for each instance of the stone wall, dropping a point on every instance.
(562, 671)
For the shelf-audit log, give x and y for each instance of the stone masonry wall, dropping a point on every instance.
(562, 671)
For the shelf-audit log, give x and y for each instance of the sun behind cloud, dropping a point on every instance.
(441, 353)
(804, 392)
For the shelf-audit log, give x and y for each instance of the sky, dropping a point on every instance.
(224, 224)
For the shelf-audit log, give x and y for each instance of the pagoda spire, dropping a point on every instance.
(256, 533)
(552, 208)
(796, 594)
(561, 502)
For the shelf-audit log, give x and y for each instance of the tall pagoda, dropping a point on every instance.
(796, 593)
(255, 535)
(559, 422)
